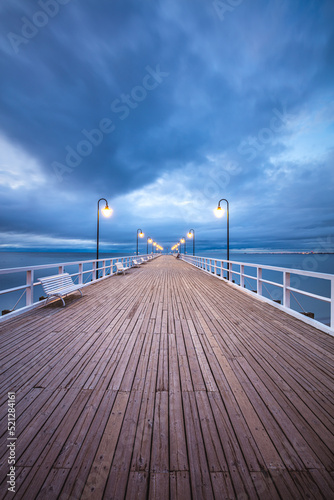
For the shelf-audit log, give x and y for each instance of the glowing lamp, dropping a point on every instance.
(107, 211)
(219, 212)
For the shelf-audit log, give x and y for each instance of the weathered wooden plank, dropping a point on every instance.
(162, 380)
(180, 485)
(199, 470)
(159, 486)
(260, 434)
(239, 446)
(177, 442)
(222, 486)
(76, 485)
(160, 440)
(99, 472)
(214, 450)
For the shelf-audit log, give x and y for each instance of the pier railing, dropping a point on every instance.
(283, 287)
(25, 295)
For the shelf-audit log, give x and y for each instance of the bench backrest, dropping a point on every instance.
(119, 265)
(52, 283)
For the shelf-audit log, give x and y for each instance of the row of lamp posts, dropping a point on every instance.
(191, 234)
(219, 212)
(155, 245)
(107, 211)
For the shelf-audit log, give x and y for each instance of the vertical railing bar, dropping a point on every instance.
(258, 280)
(286, 291)
(242, 275)
(80, 277)
(30, 287)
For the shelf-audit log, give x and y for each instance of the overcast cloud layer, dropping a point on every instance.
(163, 108)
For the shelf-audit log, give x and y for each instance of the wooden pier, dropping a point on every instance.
(166, 383)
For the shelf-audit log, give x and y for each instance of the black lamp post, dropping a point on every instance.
(107, 211)
(149, 240)
(219, 213)
(141, 234)
(191, 234)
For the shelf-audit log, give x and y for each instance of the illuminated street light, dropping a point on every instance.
(219, 212)
(106, 212)
(141, 235)
(149, 240)
(191, 234)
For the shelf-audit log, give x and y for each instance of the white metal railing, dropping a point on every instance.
(87, 272)
(235, 271)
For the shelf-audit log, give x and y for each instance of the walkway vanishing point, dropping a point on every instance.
(167, 383)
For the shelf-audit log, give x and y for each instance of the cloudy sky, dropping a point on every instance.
(163, 108)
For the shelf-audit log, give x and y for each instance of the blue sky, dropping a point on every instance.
(163, 108)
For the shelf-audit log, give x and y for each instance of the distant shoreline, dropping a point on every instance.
(241, 252)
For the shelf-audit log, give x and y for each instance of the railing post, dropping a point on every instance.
(94, 271)
(286, 291)
(258, 281)
(242, 275)
(30, 289)
(60, 269)
(229, 272)
(104, 268)
(332, 304)
(215, 268)
(80, 277)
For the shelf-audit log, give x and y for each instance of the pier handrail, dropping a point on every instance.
(107, 269)
(217, 267)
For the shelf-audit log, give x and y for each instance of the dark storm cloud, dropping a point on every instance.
(109, 97)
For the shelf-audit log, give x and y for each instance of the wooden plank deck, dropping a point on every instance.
(167, 383)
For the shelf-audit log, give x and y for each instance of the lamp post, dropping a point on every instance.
(154, 244)
(106, 211)
(191, 234)
(149, 240)
(183, 240)
(219, 213)
(141, 235)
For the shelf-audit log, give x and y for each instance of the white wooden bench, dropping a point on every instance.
(59, 285)
(120, 268)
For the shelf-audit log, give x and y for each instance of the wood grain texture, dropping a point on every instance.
(166, 382)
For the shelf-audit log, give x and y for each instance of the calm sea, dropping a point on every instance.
(323, 263)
